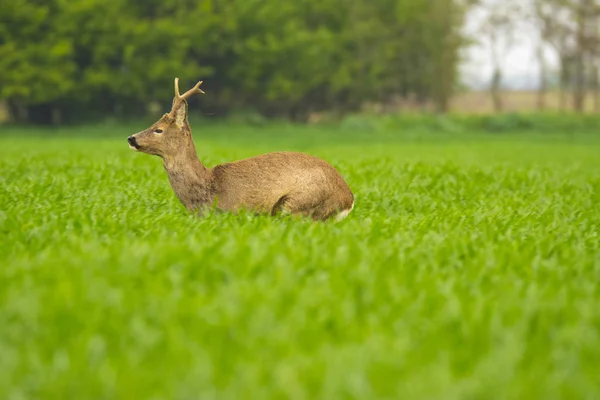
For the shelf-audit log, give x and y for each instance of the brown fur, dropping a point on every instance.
(281, 182)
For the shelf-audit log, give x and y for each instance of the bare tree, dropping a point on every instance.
(589, 51)
(539, 18)
(499, 28)
(555, 22)
(580, 8)
(571, 28)
(594, 61)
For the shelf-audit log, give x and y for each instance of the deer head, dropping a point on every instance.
(171, 134)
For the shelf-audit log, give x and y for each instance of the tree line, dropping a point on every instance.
(76, 60)
(570, 29)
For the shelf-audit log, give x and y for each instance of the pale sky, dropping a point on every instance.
(520, 65)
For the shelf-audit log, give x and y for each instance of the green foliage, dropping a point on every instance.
(468, 269)
(77, 59)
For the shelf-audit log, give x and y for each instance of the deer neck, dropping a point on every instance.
(190, 179)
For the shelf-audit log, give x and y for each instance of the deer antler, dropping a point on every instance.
(181, 98)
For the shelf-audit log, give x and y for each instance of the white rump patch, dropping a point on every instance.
(344, 213)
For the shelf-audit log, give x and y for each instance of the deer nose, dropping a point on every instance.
(133, 143)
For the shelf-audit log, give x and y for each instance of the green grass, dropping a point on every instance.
(469, 269)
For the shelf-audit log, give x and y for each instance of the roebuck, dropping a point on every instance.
(281, 182)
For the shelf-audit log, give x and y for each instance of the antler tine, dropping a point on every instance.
(182, 97)
(194, 90)
(177, 95)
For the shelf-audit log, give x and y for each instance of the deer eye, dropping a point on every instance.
(158, 131)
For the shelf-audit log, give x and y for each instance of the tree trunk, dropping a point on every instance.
(495, 91)
(593, 61)
(564, 79)
(541, 100)
(579, 93)
(596, 88)
(56, 116)
(18, 112)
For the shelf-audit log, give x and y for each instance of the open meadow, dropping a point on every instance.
(469, 269)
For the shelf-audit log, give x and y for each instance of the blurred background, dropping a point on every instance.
(78, 61)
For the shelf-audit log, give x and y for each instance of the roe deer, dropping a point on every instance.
(281, 182)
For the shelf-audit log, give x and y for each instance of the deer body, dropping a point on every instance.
(281, 182)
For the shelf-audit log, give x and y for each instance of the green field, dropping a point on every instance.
(469, 269)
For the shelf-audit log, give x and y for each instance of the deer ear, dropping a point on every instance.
(181, 114)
